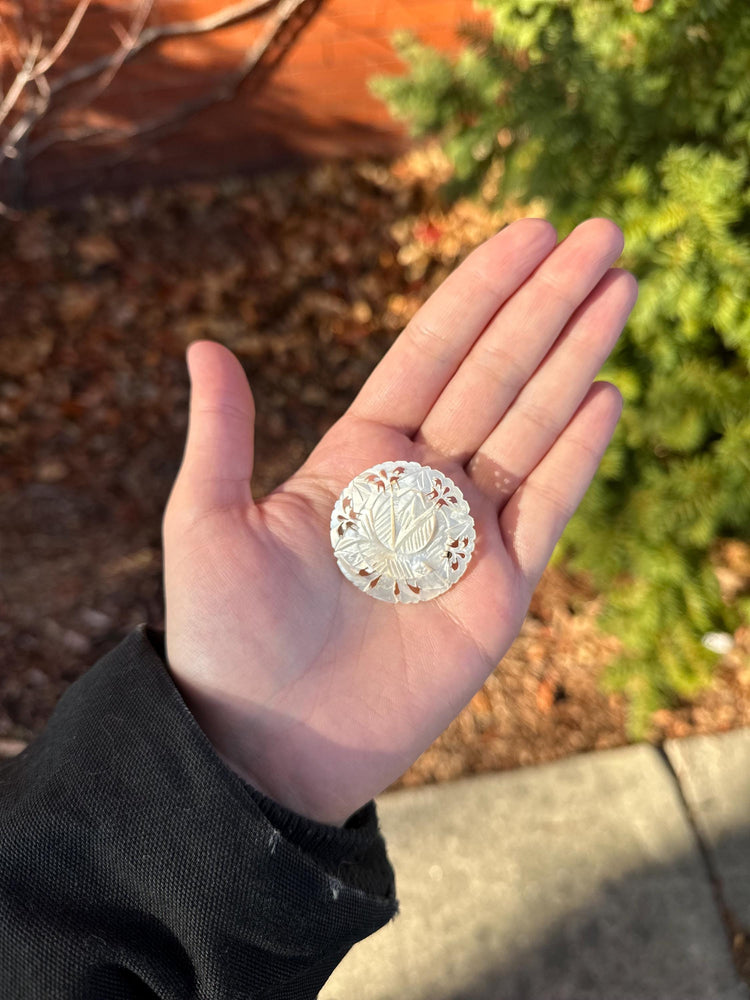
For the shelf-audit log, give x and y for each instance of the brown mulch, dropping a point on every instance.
(308, 276)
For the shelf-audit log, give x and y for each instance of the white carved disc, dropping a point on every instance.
(402, 532)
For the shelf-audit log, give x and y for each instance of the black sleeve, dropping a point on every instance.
(135, 863)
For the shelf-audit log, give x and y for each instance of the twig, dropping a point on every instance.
(62, 42)
(19, 146)
(33, 70)
(22, 78)
(42, 87)
(225, 91)
(284, 13)
(128, 42)
(221, 19)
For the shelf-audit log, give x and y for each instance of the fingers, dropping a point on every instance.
(218, 460)
(534, 518)
(507, 354)
(412, 375)
(547, 402)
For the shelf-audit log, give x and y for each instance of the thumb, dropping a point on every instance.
(218, 460)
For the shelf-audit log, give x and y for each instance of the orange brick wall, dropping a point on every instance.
(315, 101)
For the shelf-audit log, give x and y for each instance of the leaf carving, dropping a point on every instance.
(418, 535)
(381, 522)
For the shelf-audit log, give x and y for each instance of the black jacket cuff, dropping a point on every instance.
(132, 858)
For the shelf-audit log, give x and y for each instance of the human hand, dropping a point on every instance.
(315, 693)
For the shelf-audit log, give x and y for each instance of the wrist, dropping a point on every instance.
(229, 731)
(286, 799)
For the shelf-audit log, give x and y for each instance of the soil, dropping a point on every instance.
(308, 276)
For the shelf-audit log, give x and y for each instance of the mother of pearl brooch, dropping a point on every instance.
(402, 532)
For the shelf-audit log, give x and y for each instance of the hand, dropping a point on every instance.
(315, 693)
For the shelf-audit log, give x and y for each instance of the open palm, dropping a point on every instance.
(316, 693)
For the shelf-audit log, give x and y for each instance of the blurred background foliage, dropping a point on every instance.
(639, 112)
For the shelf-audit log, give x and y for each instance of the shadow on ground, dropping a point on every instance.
(579, 880)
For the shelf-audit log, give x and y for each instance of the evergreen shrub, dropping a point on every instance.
(638, 111)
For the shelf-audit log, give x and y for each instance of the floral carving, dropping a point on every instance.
(402, 532)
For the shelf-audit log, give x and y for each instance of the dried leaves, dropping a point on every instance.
(308, 276)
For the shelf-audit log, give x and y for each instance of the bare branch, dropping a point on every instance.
(63, 41)
(22, 78)
(40, 82)
(19, 146)
(121, 33)
(225, 91)
(76, 135)
(273, 26)
(221, 19)
(128, 42)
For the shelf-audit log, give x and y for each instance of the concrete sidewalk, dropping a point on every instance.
(611, 876)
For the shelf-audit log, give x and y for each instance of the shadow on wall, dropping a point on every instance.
(216, 142)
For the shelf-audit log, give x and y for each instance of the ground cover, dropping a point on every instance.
(308, 276)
